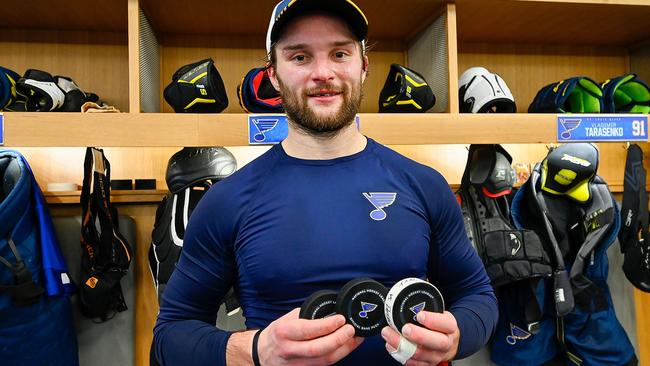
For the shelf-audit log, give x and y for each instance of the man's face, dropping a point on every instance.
(319, 71)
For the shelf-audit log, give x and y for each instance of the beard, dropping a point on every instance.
(303, 117)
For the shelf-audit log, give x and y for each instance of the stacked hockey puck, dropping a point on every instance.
(368, 305)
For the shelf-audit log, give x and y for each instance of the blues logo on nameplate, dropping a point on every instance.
(602, 127)
(2, 129)
(267, 129)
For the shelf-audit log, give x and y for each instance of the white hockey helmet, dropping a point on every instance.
(481, 91)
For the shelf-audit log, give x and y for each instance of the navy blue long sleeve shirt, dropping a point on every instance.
(282, 228)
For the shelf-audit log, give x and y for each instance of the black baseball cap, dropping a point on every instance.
(286, 10)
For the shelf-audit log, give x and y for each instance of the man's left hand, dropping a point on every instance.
(436, 339)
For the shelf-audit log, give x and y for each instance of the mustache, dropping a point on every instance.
(328, 87)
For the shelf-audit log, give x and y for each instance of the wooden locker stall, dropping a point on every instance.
(127, 50)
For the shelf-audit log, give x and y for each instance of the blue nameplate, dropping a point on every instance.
(2, 129)
(602, 127)
(266, 129)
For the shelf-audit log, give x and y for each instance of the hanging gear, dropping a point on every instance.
(509, 255)
(634, 237)
(36, 326)
(256, 94)
(43, 95)
(190, 173)
(172, 216)
(574, 95)
(626, 94)
(405, 91)
(10, 98)
(197, 88)
(481, 91)
(579, 322)
(106, 255)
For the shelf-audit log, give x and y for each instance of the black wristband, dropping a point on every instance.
(256, 357)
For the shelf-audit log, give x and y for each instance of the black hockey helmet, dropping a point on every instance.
(194, 164)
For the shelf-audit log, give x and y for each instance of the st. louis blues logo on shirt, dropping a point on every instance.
(416, 309)
(366, 307)
(380, 200)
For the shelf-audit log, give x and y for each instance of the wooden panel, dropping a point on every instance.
(97, 62)
(554, 22)
(528, 68)
(117, 196)
(640, 61)
(452, 54)
(167, 129)
(233, 64)
(386, 19)
(65, 14)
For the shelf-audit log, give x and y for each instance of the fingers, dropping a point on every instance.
(391, 337)
(427, 339)
(343, 351)
(304, 329)
(322, 346)
(443, 323)
(435, 338)
(322, 341)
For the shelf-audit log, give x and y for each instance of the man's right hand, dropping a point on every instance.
(290, 340)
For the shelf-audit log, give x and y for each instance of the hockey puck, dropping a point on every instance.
(320, 304)
(407, 298)
(361, 301)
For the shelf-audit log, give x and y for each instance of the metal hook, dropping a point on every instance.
(551, 146)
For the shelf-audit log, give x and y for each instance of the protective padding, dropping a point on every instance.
(627, 94)
(568, 169)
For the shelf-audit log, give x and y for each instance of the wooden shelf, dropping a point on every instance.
(169, 129)
(578, 22)
(389, 20)
(117, 196)
(107, 16)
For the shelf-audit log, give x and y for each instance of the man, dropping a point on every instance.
(298, 219)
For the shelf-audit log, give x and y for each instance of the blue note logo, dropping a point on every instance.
(516, 333)
(569, 124)
(367, 307)
(416, 309)
(380, 200)
(263, 125)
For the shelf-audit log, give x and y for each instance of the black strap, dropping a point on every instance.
(97, 205)
(532, 311)
(24, 291)
(254, 354)
(106, 255)
(563, 293)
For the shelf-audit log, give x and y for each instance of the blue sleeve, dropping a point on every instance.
(185, 332)
(462, 278)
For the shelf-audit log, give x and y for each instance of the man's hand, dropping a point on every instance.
(437, 340)
(293, 341)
